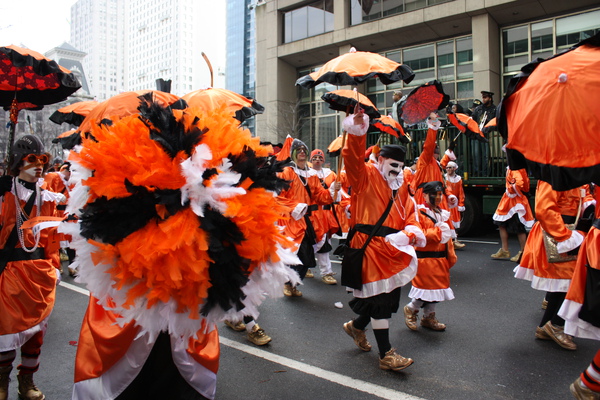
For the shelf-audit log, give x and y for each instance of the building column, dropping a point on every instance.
(486, 56)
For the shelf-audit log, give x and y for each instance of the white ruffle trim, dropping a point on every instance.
(356, 130)
(431, 294)
(299, 211)
(575, 326)
(450, 155)
(523, 273)
(539, 283)
(387, 285)
(14, 341)
(421, 239)
(571, 243)
(446, 232)
(516, 209)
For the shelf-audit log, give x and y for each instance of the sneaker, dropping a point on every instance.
(582, 392)
(501, 255)
(258, 336)
(429, 321)
(458, 245)
(72, 272)
(540, 333)
(359, 336)
(309, 274)
(63, 256)
(557, 333)
(394, 361)
(544, 304)
(291, 291)
(236, 326)
(410, 318)
(517, 257)
(329, 279)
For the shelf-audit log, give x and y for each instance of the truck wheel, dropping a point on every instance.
(472, 217)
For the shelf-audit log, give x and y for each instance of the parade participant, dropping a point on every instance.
(29, 265)
(482, 114)
(513, 214)
(323, 219)
(429, 167)
(432, 282)
(409, 175)
(177, 232)
(553, 210)
(304, 190)
(455, 185)
(390, 260)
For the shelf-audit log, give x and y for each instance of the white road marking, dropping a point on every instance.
(343, 380)
(366, 387)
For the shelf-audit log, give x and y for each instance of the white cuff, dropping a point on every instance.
(58, 276)
(434, 125)
(421, 239)
(571, 243)
(450, 154)
(461, 208)
(299, 211)
(336, 198)
(347, 210)
(397, 239)
(452, 201)
(446, 231)
(356, 130)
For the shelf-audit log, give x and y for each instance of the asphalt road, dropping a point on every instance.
(487, 352)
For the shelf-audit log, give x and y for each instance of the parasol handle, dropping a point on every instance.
(210, 68)
(340, 163)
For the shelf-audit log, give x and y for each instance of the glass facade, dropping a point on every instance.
(524, 43)
(370, 10)
(311, 20)
(450, 61)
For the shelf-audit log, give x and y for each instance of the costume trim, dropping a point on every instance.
(431, 294)
(14, 341)
(516, 209)
(574, 325)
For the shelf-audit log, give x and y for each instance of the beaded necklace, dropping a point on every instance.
(22, 216)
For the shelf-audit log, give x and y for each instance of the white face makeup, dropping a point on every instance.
(33, 171)
(391, 169)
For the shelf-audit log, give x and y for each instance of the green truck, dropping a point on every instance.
(484, 184)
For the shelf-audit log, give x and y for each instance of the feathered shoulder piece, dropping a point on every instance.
(177, 219)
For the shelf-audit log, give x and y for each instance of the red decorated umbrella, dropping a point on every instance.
(466, 125)
(73, 114)
(356, 67)
(241, 107)
(119, 106)
(550, 119)
(424, 100)
(389, 125)
(345, 100)
(26, 76)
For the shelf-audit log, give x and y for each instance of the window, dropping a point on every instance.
(370, 10)
(311, 20)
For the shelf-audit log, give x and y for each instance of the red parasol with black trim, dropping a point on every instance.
(422, 101)
(26, 76)
(550, 120)
(389, 125)
(466, 125)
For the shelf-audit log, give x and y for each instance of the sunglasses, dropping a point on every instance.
(32, 158)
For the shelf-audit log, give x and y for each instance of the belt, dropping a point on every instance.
(596, 223)
(18, 254)
(383, 230)
(315, 207)
(568, 219)
(61, 207)
(432, 254)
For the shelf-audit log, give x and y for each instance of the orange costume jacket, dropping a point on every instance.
(428, 168)
(322, 218)
(549, 208)
(385, 266)
(297, 194)
(27, 287)
(513, 200)
(587, 265)
(454, 185)
(109, 357)
(432, 282)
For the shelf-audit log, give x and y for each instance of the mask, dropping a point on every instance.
(391, 169)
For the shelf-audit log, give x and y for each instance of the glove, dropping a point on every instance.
(6, 182)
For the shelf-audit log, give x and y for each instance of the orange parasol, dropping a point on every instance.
(73, 114)
(467, 125)
(240, 107)
(424, 100)
(389, 125)
(334, 147)
(490, 126)
(345, 100)
(356, 67)
(550, 119)
(117, 107)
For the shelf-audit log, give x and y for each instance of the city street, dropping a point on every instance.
(487, 352)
